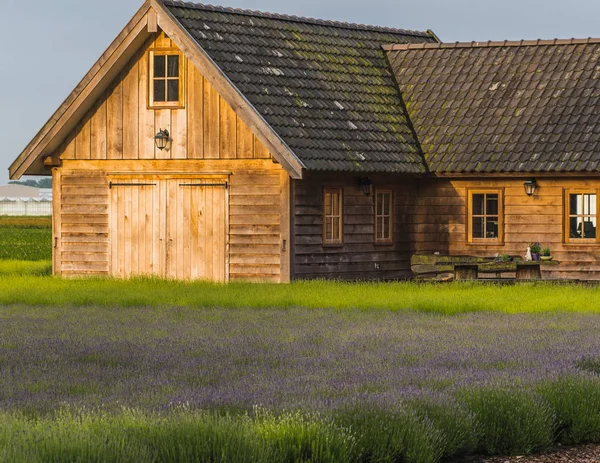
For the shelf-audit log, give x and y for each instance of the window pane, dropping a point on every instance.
(379, 204)
(575, 230)
(336, 228)
(335, 200)
(379, 228)
(478, 200)
(386, 228)
(589, 227)
(575, 204)
(327, 203)
(173, 66)
(491, 204)
(478, 231)
(491, 227)
(328, 235)
(159, 65)
(173, 90)
(589, 204)
(159, 90)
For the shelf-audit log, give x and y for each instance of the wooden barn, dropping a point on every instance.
(221, 144)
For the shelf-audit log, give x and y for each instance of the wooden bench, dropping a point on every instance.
(470, 267)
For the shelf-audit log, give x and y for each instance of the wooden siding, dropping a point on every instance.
(358, 257)
(255, 232)
(121, 126)
(440, 217)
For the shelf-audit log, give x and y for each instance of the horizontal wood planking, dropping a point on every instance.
(121, 126)
(440, 217)
(358, 257)
(254, 213)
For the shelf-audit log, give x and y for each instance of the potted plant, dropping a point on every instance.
(535, 249)
(545, 254)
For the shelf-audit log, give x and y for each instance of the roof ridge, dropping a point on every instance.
(291, 18)
(490, 43)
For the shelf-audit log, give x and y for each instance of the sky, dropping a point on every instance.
(49, 45)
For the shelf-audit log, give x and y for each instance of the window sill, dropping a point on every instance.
(332, 245)
(485, 243)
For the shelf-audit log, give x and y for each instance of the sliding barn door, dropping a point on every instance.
(173, 227)
(135, 217)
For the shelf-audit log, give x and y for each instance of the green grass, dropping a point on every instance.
(25, 268)
(451, 298)
(25, 238)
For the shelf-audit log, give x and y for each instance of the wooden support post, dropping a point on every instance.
(465, 272)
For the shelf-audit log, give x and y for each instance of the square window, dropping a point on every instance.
(484, 216)
(581, 216)
(165, 79)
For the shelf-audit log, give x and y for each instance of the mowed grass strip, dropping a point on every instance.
(25, 238)
(453, 298)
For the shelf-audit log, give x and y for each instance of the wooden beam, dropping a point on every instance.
(284, 214)
(51, 161)
(228, 91)
(152, 22)
(84, 95)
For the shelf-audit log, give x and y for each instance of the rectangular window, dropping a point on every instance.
(383, 216)
(580, 216)
(166, 79)
(485, 216)
(332, 216)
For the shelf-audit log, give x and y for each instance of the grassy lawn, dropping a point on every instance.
(25, 238)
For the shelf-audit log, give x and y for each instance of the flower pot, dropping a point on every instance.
(535, 256)
(546, 258)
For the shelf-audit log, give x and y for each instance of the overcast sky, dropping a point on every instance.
(49, 45)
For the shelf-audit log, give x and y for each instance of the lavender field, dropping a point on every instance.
(475, 382)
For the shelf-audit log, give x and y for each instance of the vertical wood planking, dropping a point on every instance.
(135, 230)
(131, 116)
(84, 140)
(155, 214)
(211, 121)
(260, 152)
(114, 122)
(98, 131)
(56, 222)
(227, 131)
(128, 230)
(179, 134)
(147, 131)
(245, 141)
(172, 227)
(284, 226)
(195, 111)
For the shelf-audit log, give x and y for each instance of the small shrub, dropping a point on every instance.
(576, 405)
(510, 421)
(458, 425)
(294, 437)
(394, 435)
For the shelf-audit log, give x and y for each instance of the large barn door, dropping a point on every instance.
(169, 227)
(135, 240)
(196, 226)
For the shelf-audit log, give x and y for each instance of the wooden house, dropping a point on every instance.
(223, 144)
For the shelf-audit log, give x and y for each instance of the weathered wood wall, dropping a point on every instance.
(440, 222)
(257, 215)
(358, 257)
(120, 125)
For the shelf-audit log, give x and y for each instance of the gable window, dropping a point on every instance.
(485, 216)
(166, 79)
(383, 216)
(580, 216)
(333, 216)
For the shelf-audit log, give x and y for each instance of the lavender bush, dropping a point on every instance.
(418, 382)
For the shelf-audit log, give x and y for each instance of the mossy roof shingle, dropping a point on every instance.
(324, 87)
(503, 106)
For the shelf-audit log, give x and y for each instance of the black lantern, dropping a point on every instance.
(162, 139)
(365, 185)
(530, 187)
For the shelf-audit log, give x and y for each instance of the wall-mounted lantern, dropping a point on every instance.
(530, 187)
(366, 185)
(161, 139)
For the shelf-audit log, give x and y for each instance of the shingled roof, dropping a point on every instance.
(324, 87)
(503, 106)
